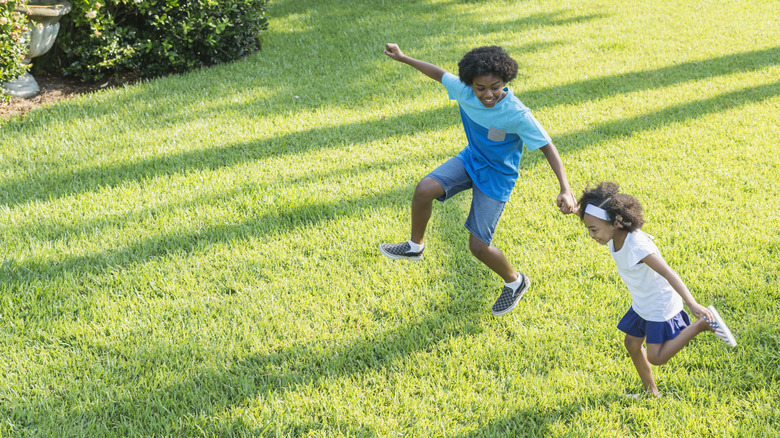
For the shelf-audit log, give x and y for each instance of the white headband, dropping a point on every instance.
(597, 212)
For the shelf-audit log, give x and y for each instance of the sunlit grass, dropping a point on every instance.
(196, 255)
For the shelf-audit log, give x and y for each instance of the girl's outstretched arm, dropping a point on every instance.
(659, 265)
(432, 71)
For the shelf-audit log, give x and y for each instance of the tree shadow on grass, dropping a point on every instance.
(263, 375)
(342, 33)
(625, 83)
(608, 131)
(165, 244)
(335, 37)
(544, 421)
(55, 184)
(173, 408)
(216, 393)
(528, 422)
(46, 229)
(310, 214)
(52, 185)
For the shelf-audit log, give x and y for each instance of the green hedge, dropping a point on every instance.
(13, 34)
(147, 38)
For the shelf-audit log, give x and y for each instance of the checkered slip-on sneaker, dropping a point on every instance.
(509, 298)
(721, 330)
(398, 251)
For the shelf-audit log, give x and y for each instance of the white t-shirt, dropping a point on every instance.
(654, 299)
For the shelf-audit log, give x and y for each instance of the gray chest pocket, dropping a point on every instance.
(495, 134)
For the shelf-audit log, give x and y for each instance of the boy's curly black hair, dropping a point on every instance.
(624, 210)
(484, 61)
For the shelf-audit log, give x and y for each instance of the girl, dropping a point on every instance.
(656, 314)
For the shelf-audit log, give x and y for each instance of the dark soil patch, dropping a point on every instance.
(53, 89)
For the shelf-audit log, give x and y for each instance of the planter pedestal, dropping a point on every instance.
(45, 17)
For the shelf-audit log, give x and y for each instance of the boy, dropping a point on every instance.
(497, 126)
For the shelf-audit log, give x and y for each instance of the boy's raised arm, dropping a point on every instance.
(432, 71)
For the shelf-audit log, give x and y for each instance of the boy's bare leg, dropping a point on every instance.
(658, 354)
(639, 357)
(422, 204)
(493, 258)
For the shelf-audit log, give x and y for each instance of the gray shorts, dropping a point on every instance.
(485, 211)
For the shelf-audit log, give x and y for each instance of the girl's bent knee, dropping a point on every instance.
(656, 355)
(633, 344)
(655, 360)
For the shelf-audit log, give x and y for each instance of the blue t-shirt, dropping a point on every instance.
(495, 137)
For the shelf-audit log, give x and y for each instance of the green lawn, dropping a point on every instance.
(196, 255)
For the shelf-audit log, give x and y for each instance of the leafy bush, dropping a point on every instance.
(13, 44)
(153, 37)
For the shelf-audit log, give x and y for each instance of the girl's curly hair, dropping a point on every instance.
(624, 211)
(484, 61)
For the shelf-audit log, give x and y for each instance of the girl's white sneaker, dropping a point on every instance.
(721, 330)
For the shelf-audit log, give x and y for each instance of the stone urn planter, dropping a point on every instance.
(45, 24)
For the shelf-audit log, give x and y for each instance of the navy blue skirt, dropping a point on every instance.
(656, 332)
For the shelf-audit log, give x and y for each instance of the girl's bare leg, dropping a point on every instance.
(659, 354)
(635, 348)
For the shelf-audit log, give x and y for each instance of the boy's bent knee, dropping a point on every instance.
(428, 189)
